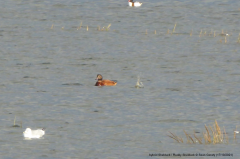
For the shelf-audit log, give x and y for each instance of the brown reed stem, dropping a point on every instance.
(218, 128)
(189, 137)
(235, 133)
(174, 28)
(198, 139)
(226, 136)
(80, 26)
(208, 137)
(108, 27)
(175, 137)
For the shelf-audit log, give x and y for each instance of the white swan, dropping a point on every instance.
(29, 133)
(134, 4)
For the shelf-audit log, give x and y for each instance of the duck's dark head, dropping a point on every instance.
(99, 77)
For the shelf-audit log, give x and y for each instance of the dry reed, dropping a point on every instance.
(235, 132)
(174, 28)
(79, 27)
(189, 138)
(175, 137)
(199, 139)
(226, 136)
(108, 27)
(14, 123)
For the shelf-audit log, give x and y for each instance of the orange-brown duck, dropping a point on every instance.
(102, 82)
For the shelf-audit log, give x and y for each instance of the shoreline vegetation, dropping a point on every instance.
(224, 35)
(212, 135)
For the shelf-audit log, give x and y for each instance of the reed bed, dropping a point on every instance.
(224, 35)
(104, 28)
(211, 135)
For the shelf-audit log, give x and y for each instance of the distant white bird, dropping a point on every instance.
(29, 133)
(134, 4)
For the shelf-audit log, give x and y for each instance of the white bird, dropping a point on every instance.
(29, 133)
(134, 4)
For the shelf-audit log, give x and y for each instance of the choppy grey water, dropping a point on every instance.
(48, 66)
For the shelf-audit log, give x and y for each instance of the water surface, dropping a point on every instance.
(48, 65)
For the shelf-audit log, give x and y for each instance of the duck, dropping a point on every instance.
(102, 82)
(134, 4)
(29, 133)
